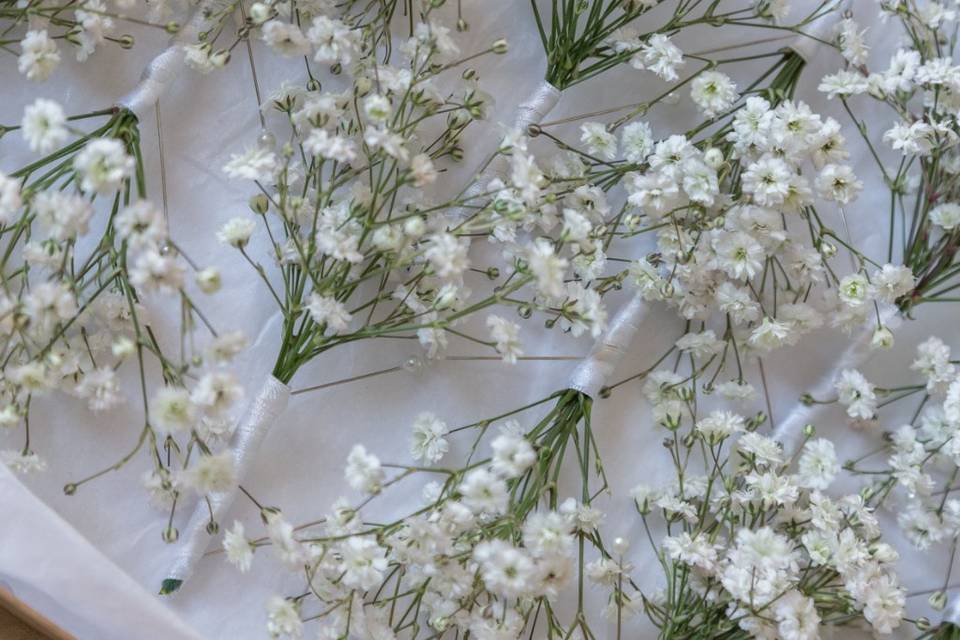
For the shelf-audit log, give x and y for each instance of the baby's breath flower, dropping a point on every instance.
(238, 549)
(211, 474)
(44, 125)
(38, 55)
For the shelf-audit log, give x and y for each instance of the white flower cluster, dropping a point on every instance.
(83, 26)
(82, 311)
(725, 245)
(757, 543)
(473, 565)
(923, 454)
(347, 198)
(921, 87)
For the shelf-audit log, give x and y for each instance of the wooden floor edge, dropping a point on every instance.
(31, 617)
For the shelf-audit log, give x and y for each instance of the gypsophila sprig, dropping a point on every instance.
(76, 308)
(753, 546)
(918, 86)
(489, 553)
(40, 33)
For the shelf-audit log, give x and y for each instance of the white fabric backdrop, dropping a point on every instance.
(299, 468)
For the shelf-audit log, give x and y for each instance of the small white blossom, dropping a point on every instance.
(44, 125)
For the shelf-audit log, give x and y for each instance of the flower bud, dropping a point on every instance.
(219, 59)
(713, 158)
(937, 600)
(259, 12)
(500, 46)
(259, 204)
(672, 422)
(123, 347)
(882, 339)
(414, 227)
(209, 280)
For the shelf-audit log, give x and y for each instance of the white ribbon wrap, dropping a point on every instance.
(537, 106)
(951, 615)
(855, 355)
(595, 370)
(263, 411)
(531, 111)
(163, 69)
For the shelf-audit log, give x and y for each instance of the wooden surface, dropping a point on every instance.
(20, 622)
(11, 628)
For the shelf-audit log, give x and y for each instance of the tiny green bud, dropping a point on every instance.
(882, 339)
(126, 41)
(500, 46)
(809, 430)
(260, 203)
(267, 512)
(671, 422)
(70, 489)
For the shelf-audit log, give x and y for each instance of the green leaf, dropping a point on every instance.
(170, 585)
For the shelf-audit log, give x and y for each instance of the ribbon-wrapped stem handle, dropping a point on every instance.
(594, 371)
(265, 409)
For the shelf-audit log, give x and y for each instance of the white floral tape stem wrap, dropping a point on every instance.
(537, 105)
(856, 354)
(163, 69)
(951, 615)
(595, 370)
(263, 411)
